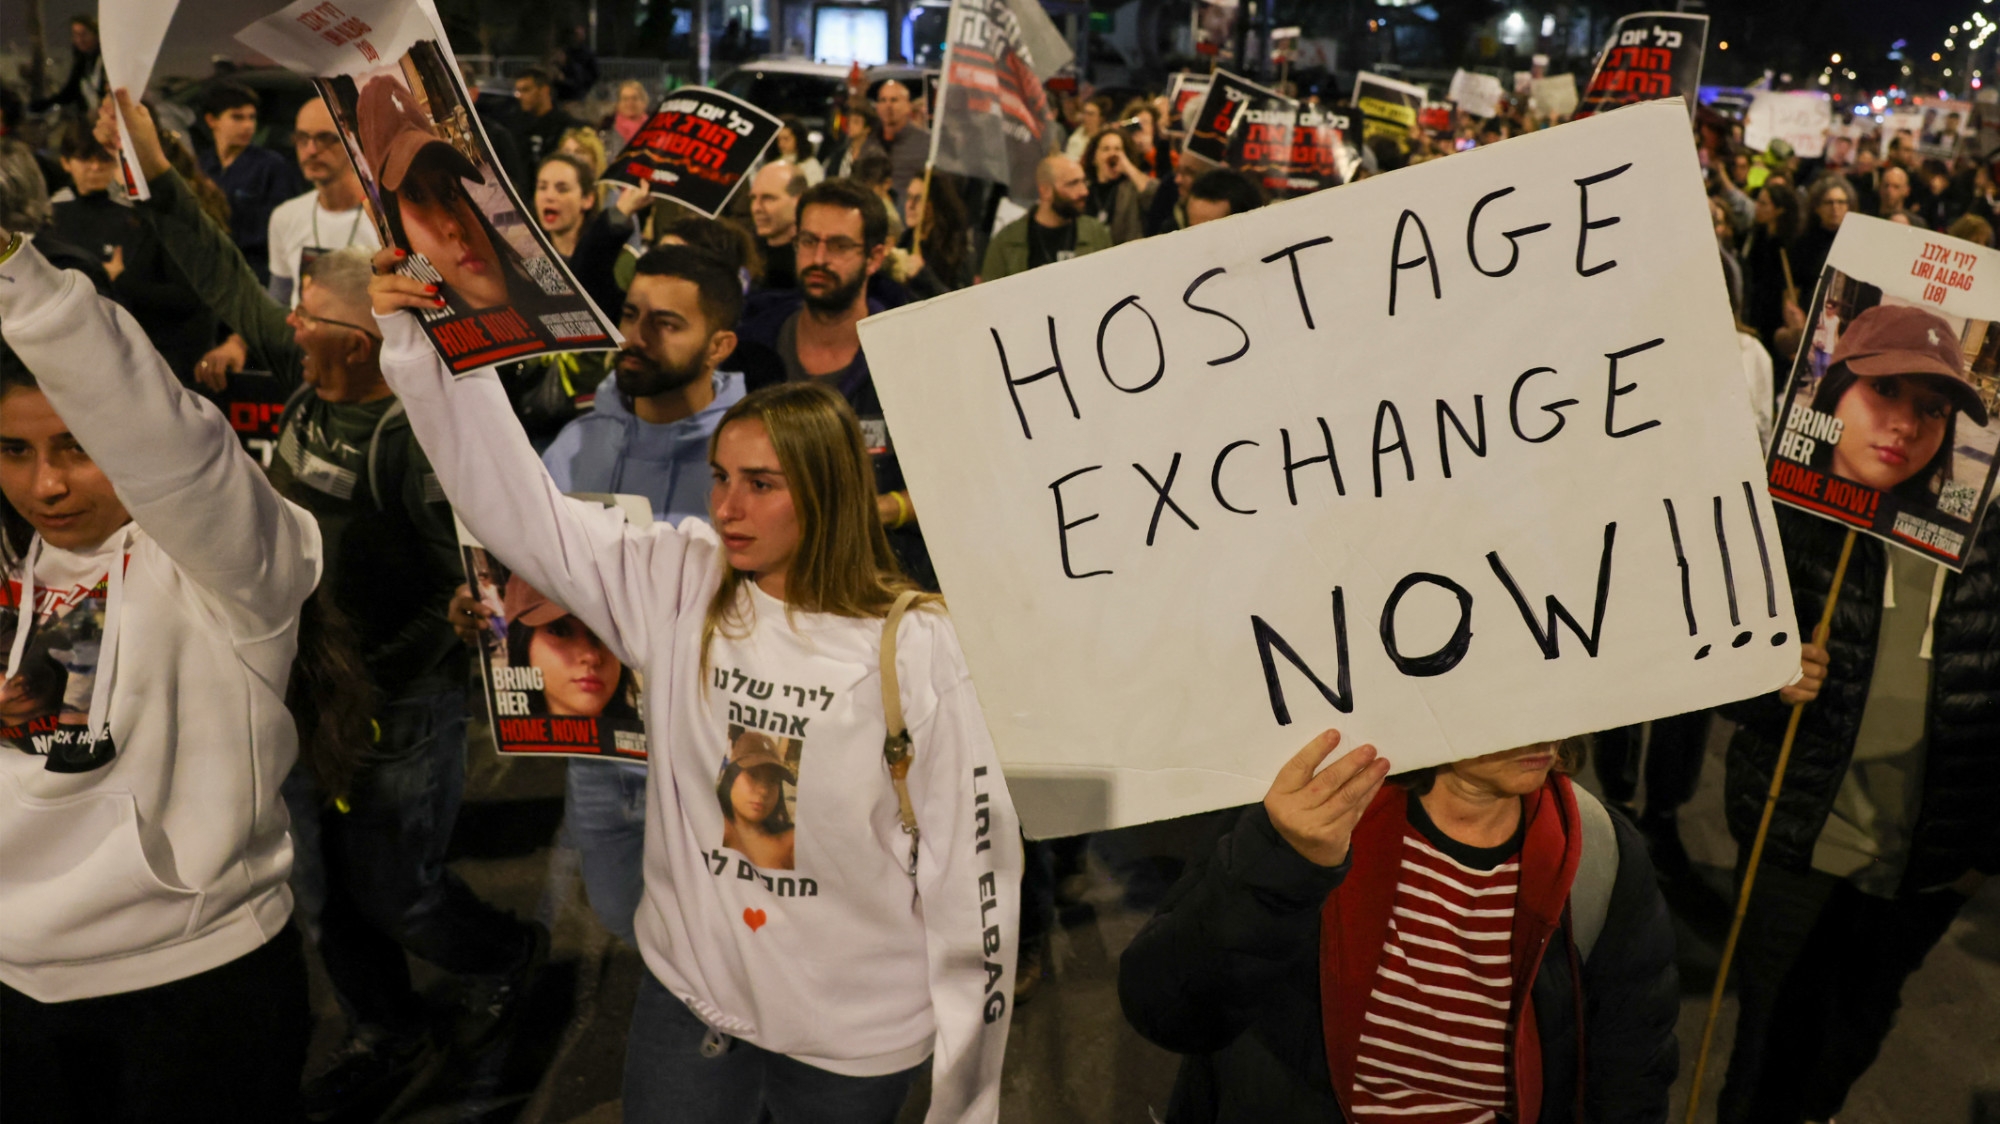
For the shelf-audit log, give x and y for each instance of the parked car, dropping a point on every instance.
(790, 87)
(810, 91)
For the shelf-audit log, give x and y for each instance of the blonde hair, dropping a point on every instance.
(843, 564)
(592, 147)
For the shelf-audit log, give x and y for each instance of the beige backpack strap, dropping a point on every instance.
(896, 747)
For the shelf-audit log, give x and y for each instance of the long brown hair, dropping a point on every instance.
(843, 565)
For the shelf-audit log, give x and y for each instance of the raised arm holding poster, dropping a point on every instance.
(1328, 465)
(1651, 55)
(402, 110)
(1887, 422)
(696, 148)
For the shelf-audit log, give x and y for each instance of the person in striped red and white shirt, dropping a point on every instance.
(1411, 951)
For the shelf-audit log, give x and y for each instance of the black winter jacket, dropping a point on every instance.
(1957, 826)
(1227, 973)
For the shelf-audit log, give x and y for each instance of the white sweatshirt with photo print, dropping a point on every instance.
(170, 858)
(844, 961)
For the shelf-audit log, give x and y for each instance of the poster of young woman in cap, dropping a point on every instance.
(402, 110)
(1887, 424)
(552, 687)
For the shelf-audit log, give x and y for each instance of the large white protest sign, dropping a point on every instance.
(1799, 119)
(1454, 459)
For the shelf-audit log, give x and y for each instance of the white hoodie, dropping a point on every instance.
(170, 857)
(829, 952)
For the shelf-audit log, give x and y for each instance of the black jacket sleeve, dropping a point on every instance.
(1233, 928)
(204, 254)
(596, 259)
(425, 641)
(1631, 997)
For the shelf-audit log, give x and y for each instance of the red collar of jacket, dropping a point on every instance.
(1355, 922)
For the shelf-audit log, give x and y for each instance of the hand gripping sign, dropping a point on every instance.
(1449, 459)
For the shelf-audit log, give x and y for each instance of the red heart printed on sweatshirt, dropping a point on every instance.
(753, 918)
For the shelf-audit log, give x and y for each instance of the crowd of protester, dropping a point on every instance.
(1322, 959)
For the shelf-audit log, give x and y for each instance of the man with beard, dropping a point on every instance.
(647, 435)
(814, 333)
(1056, 230)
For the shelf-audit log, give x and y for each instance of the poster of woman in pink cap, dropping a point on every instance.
(403, 112)
(552, 686)
(1888, 423)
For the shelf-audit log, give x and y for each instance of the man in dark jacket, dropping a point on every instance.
(346, 454)
(539, 124)
(1886, 824)
(1266, 963)
(255, 178)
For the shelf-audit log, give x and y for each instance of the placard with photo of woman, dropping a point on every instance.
(552, 686)
(435, 187)
(1887, 424)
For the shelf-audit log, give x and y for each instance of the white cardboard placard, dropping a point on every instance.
(1139, 660)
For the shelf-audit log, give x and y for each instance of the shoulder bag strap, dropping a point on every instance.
(1590, 893)
(896, 747)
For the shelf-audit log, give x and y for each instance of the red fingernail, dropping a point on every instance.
(430, 288)
(440, 302)
(402, 253)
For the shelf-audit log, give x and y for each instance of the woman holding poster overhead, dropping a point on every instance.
(825, 907)
(149, 967)
(1467, 942)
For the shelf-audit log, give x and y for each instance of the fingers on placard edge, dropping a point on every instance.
(1344, 769)
(1302, 765)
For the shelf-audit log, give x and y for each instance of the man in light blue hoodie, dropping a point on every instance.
(647, 435)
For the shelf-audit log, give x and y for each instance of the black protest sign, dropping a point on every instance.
(1267, 136)
(1184, 92)
(403, 112)
(696, 148)
(254, 403)
(1651, 55)
(1888, 424)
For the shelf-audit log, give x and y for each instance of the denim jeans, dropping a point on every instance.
(604, 813)
(667, 1078)
(388, 890)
